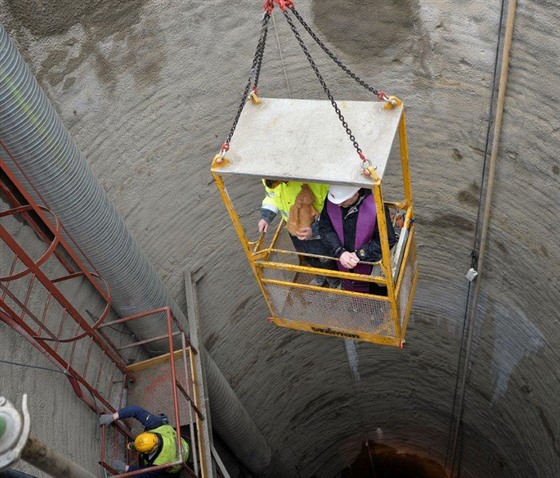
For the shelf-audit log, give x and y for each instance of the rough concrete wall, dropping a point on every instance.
(53, 406)
(149, 90)
(59, 419)
(51, 401)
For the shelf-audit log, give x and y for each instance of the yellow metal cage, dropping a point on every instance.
(301, 140)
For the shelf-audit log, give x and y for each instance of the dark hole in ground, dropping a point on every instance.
(390, 463)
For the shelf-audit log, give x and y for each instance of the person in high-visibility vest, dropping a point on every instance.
(156, 446)
(299, 205)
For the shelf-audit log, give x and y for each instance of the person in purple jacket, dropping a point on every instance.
(348, 227)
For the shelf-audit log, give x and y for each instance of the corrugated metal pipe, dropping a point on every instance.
(47, 157)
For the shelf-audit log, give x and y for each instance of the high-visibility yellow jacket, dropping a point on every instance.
(282, 198)
(168, 451)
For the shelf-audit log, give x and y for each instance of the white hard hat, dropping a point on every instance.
(339, 194)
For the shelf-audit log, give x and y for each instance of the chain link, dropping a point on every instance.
(264, 33)
(324, 85)
(256, 69)
(333, 56)
(253, 77)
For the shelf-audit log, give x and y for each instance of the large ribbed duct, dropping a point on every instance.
(49, 159)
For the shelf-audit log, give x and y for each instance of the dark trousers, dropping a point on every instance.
(364, 287)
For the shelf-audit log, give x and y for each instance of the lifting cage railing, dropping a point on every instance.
(299, 140)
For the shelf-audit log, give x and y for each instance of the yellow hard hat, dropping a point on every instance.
(146, 442)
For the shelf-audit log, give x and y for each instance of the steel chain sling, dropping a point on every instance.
(379, 93)
(256, 68)
(253, 79)
(326, 89)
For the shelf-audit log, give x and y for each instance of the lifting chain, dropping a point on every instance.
(380, 94)
(284, 5)
(328, 93)
(253, 80)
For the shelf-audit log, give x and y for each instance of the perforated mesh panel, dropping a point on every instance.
(329, 309)
(326, 308)
(152, 390)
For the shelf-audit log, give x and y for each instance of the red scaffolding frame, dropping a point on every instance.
(34, 301)
(182, 388)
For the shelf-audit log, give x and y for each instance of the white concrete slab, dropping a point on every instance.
(304, 139)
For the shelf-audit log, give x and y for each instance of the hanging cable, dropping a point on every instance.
(502, 84)
(286, 5)
(281, 57)
(46, 369)
(37, 367)
(350, 346)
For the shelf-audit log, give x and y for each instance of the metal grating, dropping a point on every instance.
(325, 309)
(152, 390)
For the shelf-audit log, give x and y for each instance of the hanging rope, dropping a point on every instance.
(326, 90)
(281, 57)
(350, 347)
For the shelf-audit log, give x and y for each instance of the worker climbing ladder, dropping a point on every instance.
(106, 365)
(166, 381)
(268, 132)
